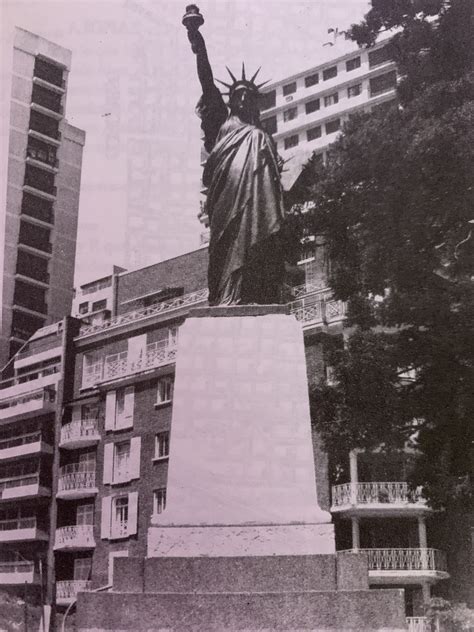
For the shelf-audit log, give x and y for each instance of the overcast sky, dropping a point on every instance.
(133, 88)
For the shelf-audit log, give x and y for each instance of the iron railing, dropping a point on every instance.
(80, 429)
(75, 535)
(76, 476)
(374, 493)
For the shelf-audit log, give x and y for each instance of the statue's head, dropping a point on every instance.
(243, 97)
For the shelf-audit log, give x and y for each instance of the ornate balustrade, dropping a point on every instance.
(66, 591)
(374, 493)
(80, 431)
(418, 624)
(406, 560)
(79, 536)
(76, 478)
(140, 314)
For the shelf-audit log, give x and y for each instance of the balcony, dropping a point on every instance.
(378, 500)
(26, 486)
(79, 434)
(27, 404)
(66, 591)
(318, 308)
(24, 445)
(76, 481)
(42, 157)
(79, 537)
(406, 566)
(21, 530)
(164, 307)
(418, 624)
(17, 572)
(44, 126)
(119, 365)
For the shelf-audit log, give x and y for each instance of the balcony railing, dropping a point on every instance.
(82, 431)
(318, 307)
(147, 312)
(15, 442)
(418, 624)
(406, 560)
(17, 572)
(372, 493)
(42, 155)
(80, 536)
(75, 479)
(66, 591)
(21, 486)
(119, 365)
(18, 523)
(31, 402)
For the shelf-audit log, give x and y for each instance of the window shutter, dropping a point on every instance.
(134, 467)
(132, 513)
(108, 463)
(106, 518)
(127, 421)
(110, 410)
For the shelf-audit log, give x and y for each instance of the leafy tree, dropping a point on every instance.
(394, 205)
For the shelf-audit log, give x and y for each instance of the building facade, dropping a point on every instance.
(44, 173)
(305, 112)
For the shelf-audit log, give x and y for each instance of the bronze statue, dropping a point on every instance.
(242, 174)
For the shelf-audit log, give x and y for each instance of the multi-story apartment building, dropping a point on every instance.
(305, 112)
(44, 173)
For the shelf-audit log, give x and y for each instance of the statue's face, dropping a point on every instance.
(244, 104)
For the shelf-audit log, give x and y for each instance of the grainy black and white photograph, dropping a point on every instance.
(237, 316)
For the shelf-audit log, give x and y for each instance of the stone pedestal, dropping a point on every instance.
(241, 478)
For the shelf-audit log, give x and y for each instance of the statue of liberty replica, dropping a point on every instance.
(242, 175)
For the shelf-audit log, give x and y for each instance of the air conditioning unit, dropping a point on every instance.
(289, 99)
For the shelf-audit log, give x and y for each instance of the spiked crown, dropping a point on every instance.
(243, 83)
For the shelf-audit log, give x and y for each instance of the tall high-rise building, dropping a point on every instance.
(44, 174)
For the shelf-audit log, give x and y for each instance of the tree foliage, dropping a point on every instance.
(394, 204)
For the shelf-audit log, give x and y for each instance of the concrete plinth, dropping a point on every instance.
(241, 478)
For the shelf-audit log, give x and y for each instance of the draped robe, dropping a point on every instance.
(245, 209)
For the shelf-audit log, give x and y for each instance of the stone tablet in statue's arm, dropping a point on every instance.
(211, 107)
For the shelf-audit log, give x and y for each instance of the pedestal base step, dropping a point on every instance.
(350, 611)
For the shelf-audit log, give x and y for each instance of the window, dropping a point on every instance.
(270, 125)
(165, 388)
(312, 106)
(352, 64)
(354, 91)
(290, 114)
(119, 405)
(290, 88)
(91, 370)
(82, 568)
(85, 514)
(330, 73)
(383, 83)
(121, 462)
(314, 132)
(162, 445)
(291, 141)
(311, 80)
(83, 308)
(99, 305)
(380, 56)
(159, 500)
(267, 100)
(333, 126)
(119, 516)
(331, 99)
